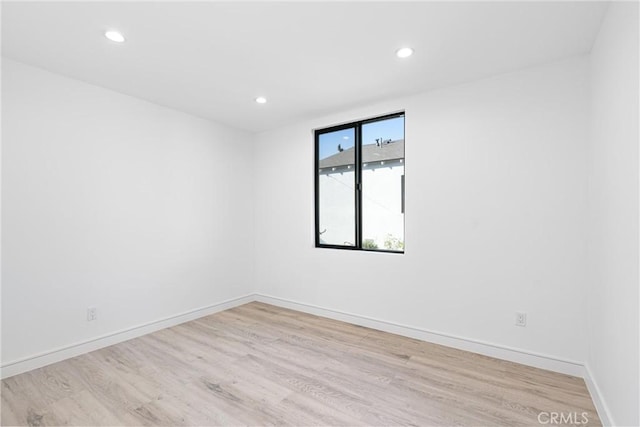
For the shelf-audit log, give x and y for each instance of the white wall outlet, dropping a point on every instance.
(521, 319)
(92, 314)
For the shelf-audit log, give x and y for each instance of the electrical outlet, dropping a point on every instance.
(91, 314)
(521, 319)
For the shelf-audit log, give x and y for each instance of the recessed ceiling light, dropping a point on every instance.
(114, 36)
(261, 100)
(404, 52)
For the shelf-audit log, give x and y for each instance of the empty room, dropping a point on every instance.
(320, 213)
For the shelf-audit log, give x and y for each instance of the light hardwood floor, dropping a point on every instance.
(262, 365)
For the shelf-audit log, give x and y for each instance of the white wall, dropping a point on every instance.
(495, 215)
(382, 215)
(109, 201)
(613, 194)
(145, 213)
(336, 217)
(381, 205)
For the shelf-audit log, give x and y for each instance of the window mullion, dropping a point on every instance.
(358, 186)
(340, 153)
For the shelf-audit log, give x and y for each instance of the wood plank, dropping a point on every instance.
(263, 365)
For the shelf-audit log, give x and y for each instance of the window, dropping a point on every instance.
(360, 185)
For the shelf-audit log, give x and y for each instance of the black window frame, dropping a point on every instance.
(357, 126)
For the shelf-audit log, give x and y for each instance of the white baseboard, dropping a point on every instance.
(596, 396)
(524, 357)
(39, 360)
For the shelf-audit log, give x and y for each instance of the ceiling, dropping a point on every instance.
(213, 59)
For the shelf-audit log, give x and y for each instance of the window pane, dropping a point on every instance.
(336, 186)
(383, 184)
